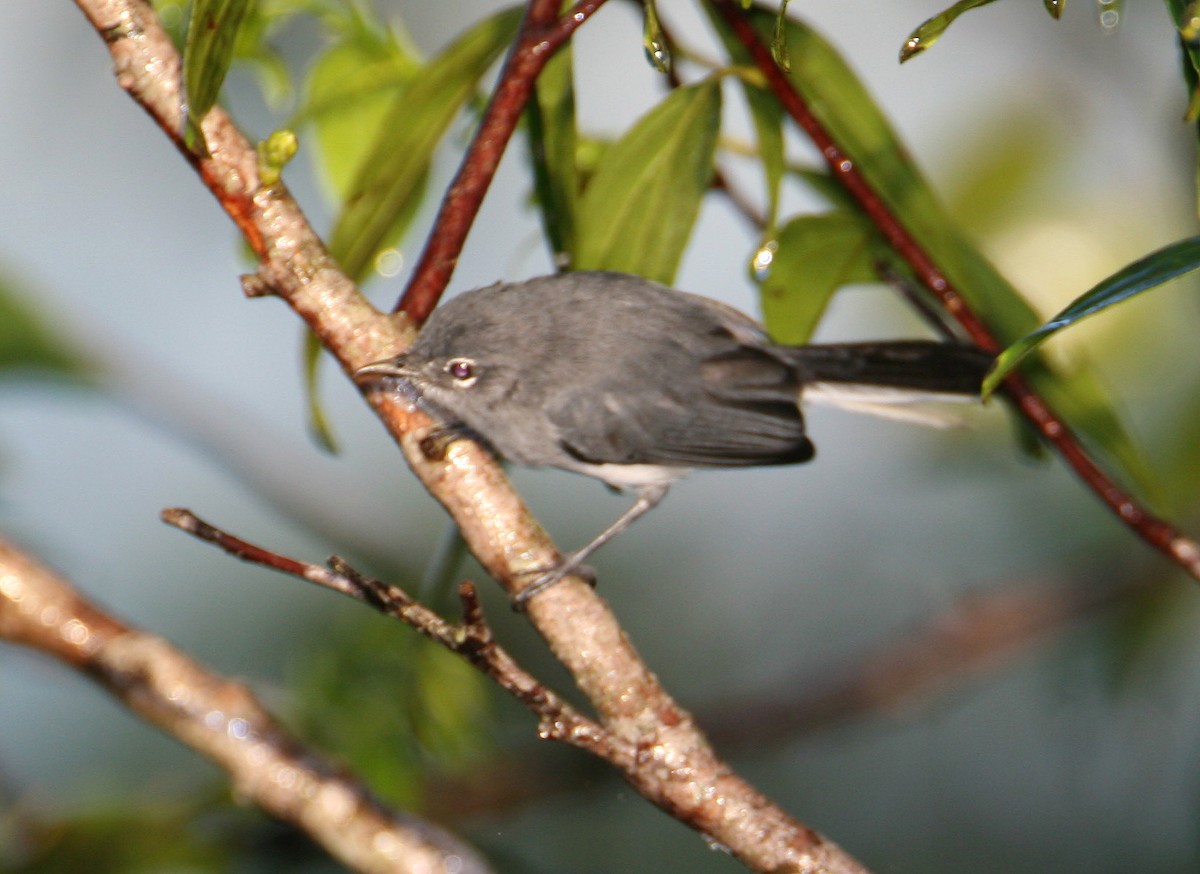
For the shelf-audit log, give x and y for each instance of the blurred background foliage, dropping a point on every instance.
(1031, 158)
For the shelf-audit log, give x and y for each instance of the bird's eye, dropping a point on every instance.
(462, 370)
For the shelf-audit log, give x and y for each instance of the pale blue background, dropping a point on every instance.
(741, 578)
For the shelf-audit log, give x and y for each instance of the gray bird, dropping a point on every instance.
(636, 384)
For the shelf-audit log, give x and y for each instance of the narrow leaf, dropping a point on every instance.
(637, 212)
(1055, 7)
(553, 144)
(207, 54)
(814, 256)
(931, 30)
(1150, 272)
(385, 192)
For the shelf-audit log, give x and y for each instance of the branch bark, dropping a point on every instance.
(222, 721)
(673, 765)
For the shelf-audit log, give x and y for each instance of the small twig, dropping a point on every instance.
(223, 721)
(1160, 534)
(542, 33)
(472, 638)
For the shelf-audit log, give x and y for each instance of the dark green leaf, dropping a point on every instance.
(386, 189)
(207, 54)
(637, 212)
(553, 144)
(814, 256)
(1055, 7)
(931, 30)
(1150, 272)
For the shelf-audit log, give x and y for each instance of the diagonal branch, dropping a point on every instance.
(1159, 533)
(221, 720)
(674, 767)
(541, 35)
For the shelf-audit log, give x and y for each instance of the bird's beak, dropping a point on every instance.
(389, 367)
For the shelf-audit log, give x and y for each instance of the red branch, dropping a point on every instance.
(542, 34)
(1157, 532)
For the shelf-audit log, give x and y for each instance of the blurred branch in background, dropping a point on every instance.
(221, 720)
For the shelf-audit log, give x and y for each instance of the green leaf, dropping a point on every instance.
(931, 30)
(318, 423)
(844, 108)
(207, 54)
(348, 93)
(1150, 272)
(637, 212)
(553, 146)
(814, 256)
(385, 192)
(1055, 7)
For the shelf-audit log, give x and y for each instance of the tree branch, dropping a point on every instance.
(674, 765)
(542, 34)
(1160, 534)
(222, 721)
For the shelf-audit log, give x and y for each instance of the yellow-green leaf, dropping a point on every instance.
(813, 256)
(385, 191)
(637, 212)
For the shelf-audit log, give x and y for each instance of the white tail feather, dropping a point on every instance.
(899, 404)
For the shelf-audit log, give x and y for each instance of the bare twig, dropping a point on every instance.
(224, 722)
(1183, 550)
(472, 639)
(542, 33)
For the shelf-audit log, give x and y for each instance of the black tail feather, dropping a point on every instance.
(918, 365)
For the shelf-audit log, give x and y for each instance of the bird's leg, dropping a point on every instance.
(647, 499)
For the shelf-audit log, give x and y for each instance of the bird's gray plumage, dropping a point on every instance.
(635, 383)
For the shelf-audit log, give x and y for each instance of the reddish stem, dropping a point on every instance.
(542, 34)
(1053, 429)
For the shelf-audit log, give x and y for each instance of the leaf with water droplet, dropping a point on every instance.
(637, 211)
(655, 42)
(813, 257)
(779, 49)
(1144, 274)
(931, 30)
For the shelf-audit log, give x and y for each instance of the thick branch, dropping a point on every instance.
(1157, 532)
(222, 721)
(674, 766)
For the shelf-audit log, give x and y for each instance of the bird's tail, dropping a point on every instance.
(894, 379)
